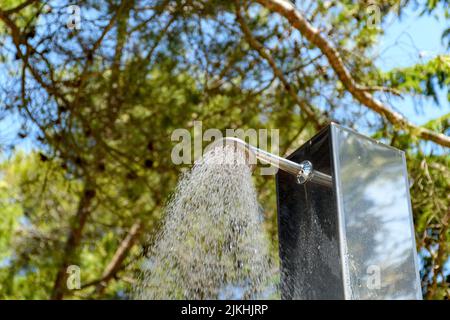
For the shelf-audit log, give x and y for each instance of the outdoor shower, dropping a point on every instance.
(344, 219)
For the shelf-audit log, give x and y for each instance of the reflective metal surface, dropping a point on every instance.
(376, 228)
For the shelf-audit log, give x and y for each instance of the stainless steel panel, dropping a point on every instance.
(374, 211)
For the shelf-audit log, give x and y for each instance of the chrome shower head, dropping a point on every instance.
(304, 171)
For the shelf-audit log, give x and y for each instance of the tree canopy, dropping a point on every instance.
(99, 91)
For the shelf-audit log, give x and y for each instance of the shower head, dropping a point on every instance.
(304, 171)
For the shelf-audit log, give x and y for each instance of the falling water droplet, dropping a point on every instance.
(212, 238)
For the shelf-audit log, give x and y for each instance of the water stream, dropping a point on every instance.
(212, 244)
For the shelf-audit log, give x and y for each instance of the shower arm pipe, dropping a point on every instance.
(304, 171)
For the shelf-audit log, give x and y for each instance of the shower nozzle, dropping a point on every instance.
(304, 171)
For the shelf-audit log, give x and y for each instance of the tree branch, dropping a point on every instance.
(263, 52)
(18, 39)
(19, 7)
(119, 257)
(73, 241)
(298, 21)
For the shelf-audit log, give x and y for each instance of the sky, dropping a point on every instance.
(410, 40)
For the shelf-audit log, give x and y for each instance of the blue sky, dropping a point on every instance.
(411, 40)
